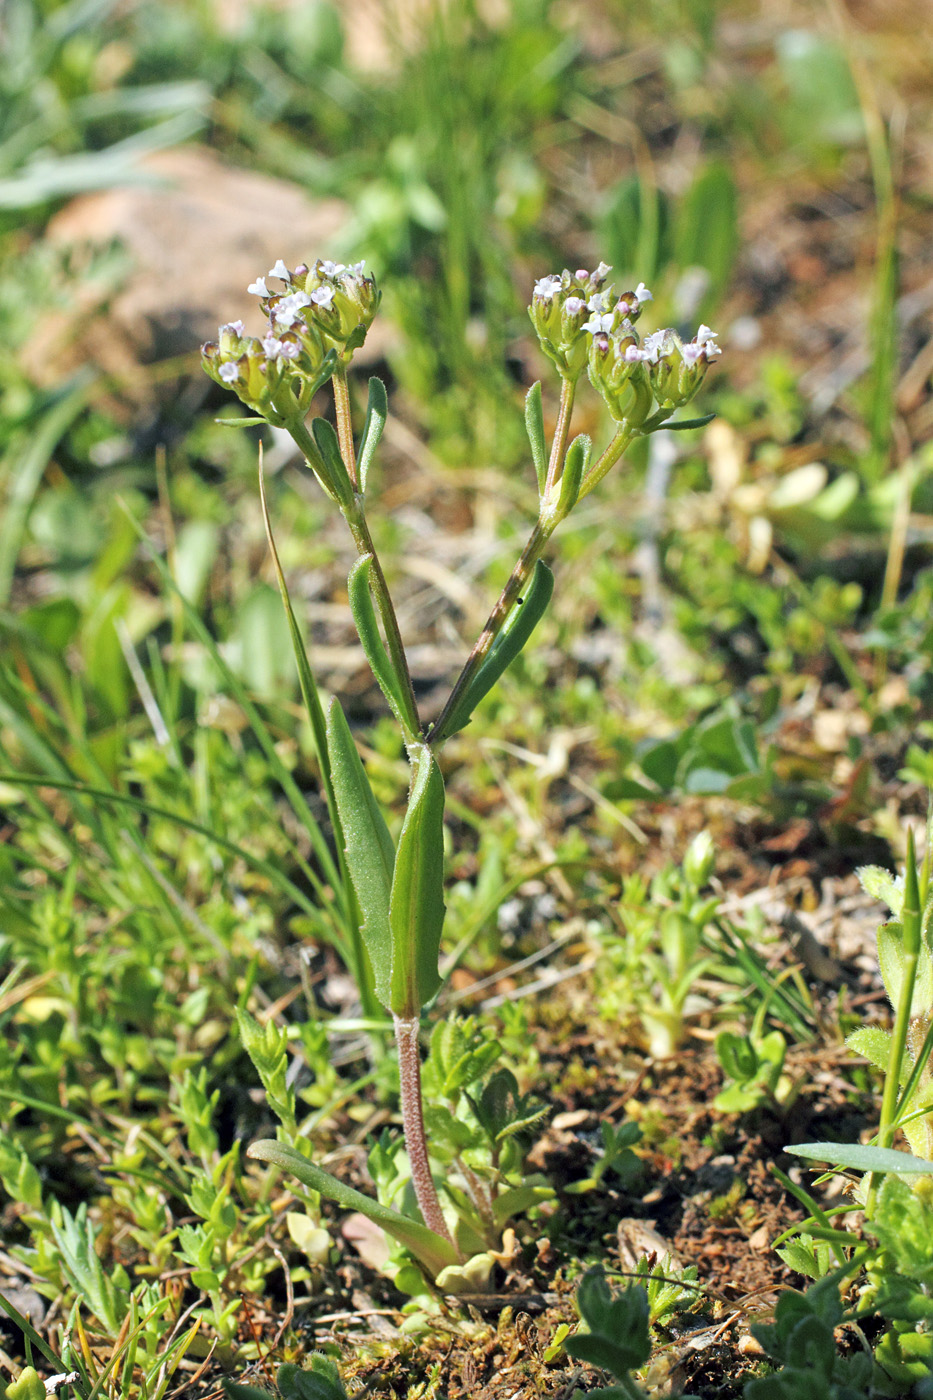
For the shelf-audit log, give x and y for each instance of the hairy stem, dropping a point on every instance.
(518, 579)
(345, 425)
(561, 434)
(409, 1067)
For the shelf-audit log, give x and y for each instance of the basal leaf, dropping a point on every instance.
(862, 1159)
(430, 1249)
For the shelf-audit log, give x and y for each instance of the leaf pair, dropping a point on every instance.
(400, 891)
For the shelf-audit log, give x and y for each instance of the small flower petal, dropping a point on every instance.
(229, 372)
(258, 288)
(236, 326)
(545, 287)
(599, 322)
(323, 296)
(642, 293)
(280, 270)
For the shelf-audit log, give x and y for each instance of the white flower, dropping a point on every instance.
(229, 372)
(599, 302)
(323, 296)
(236, 326)
(332, 269)
(657, 344)
(642, 293)
(279, 349)
(545, 287)
(704, 333)
(280, 270)
(357, 268)
(574, 305)
(633, 355)
(600, 274)
(258, 288)
(599, 322)
(286, 313)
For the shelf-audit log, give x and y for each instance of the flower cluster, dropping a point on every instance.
(316, 322)
(627, 372)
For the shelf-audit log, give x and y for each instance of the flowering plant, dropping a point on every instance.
(316, 321)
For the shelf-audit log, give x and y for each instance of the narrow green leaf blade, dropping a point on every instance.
(862, 1159)
(367, 843)
(240, 422)
(519, 626)
(534, 426)
(325, 439)
(364, 615)
(683, 425)
(377, 411)
(430, 1249)
(416, 910)
(575, 465)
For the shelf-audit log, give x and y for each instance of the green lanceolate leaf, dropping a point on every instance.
(575, 464)
(534, 425)
(416, 911)
(377, 411)
(862, 1159)
(240, 422)
(326, 441)
(433, 1252)
(364, 615)
(368, 845)
(683, 425)
(519, 626)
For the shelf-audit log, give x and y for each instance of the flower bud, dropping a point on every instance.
(616, 366)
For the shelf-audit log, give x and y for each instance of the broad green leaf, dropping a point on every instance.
(433, 1252)
(575, 465)
(873, 1043)
(416, 910)
(518, 627)
(377, 411)
(862, 1159)
(368, 845)
(364, 615)
(881, 884)
(326, 441)
(534, 425)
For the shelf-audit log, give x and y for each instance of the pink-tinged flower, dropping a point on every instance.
(574, 305)
(236, 326)
(642, 293)
(657, 344)
(634, 355)
(323, 296)
(331, 269)
(279, 349)
(545, 287)
(280, 270)
(229, 372)
(581, 274)
(258, 288)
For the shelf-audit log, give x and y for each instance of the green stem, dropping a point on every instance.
(355, 516)
(561, 434)
(345, 425)
(409, 1069)
(608, 460)
(518, 579)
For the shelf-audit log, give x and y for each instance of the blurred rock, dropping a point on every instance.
(194, 239)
